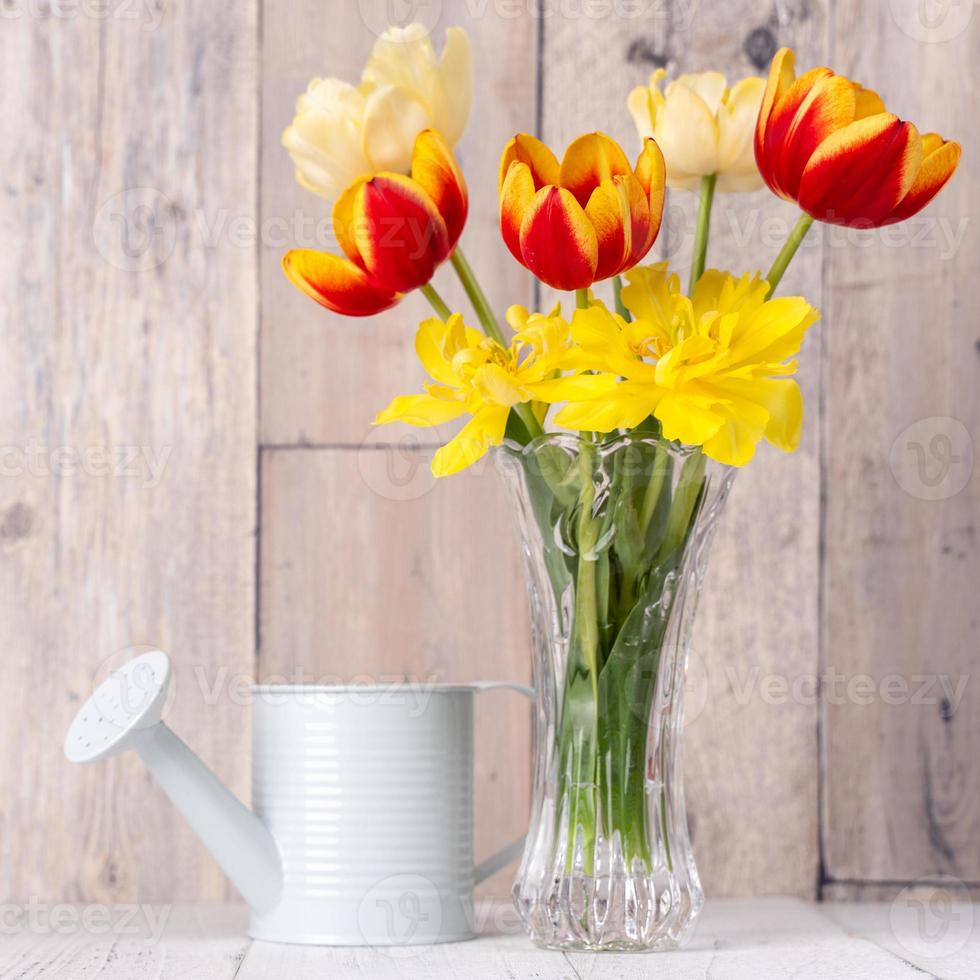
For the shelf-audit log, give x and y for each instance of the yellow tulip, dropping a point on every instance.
(342, 132)
(474, 375)
(702, 127)
(715, 370)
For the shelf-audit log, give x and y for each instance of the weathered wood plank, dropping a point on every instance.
(751, 765)
(934, 930)
(902, 557)
(129, 342)
(764, 939)
(164, 942)
(324, 377)
(372, 569)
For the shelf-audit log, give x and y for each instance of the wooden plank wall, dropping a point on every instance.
(902, 518)
(129, 334)
(268, 530)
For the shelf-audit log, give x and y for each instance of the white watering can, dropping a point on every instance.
(363, 827)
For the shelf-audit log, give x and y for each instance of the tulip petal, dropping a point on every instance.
(782, 71)
(402, 237)
(588, 161)
(609, 211)
(867, 102)
(454, 95)
(435, 170)
(651, 172)
(336, 283)
(937, 167)
(392, 118)
(708, 86)
(736, 126)
(558, 242)
(516, 196)
(541, 162)
(795, 131)
(346, 209)
(324, 139)
(860, 173)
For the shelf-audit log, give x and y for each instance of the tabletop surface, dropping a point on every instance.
(757, 939)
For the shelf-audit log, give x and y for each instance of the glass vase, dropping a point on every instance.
(615, 535)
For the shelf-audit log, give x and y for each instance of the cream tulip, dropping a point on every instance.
(703, 127)
(342, 132)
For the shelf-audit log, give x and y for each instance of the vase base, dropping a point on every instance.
(616, 914)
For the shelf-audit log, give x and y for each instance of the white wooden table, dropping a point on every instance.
(757, 939)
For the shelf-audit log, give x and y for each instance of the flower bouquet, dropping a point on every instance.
(652, 396)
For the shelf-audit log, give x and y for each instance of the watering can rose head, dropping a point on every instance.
(828, 144)
(588, 218)
(394, 230)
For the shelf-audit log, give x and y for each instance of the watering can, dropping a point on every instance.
(362, 832)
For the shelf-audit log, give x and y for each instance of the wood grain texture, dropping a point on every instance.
(903, 505)
(129, 342)
(751, 759)
(164, 942)
(324, 377)
(761, 939)
(372, 570)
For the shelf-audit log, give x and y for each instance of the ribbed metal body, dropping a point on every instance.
(369, 795)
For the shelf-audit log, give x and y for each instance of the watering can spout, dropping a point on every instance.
(124, 713)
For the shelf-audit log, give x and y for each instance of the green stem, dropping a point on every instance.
(618, 298)
(701, 235)
(580, 707)
(436, 301)
(477, 297)
(582, 299)
(787, 252)
(652, 493)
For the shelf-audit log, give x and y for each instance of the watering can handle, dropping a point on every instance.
(505, 855)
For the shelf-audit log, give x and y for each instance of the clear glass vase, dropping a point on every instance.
(615, 534)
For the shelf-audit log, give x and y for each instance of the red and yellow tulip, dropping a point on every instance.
(588, 218)
(394, 230)
(828, 144)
